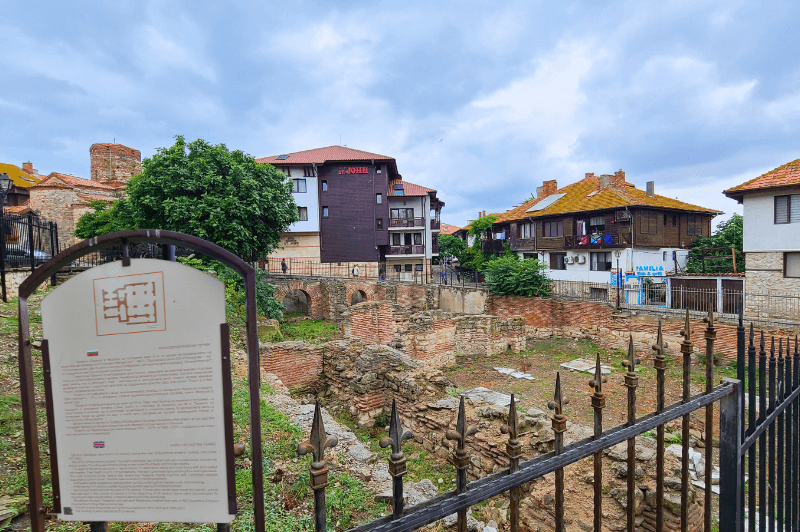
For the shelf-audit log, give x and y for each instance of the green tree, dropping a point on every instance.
(512, 276)
(450, 246)
(729, 234)
(207, 191)
(105, 219)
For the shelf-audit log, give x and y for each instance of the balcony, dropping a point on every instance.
(435, 225)
(523, 244)
(493, 246)
(596, 241)
(406, 222)
(406, 250)
(435, 249)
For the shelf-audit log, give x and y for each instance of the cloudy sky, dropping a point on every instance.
(480, 100)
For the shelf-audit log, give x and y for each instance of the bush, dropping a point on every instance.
(510, 276)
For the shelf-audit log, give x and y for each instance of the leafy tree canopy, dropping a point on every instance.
(479, 226)
(207, 191)
(510, 275)
(729, 234)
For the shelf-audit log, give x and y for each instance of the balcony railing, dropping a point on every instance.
(406, 222)
(435, 225)
(523, 244)
(434, 248)
(406, 250)
(492, 246)
(595, 241)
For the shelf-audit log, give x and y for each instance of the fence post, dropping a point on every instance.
(731, 481)
(3, 254)
(30, 240)
(53, 251)
(317, 443)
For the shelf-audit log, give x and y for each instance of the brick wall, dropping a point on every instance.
(114, 163)
(55, 205)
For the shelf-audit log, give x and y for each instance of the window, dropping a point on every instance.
(308, 171)
(406, 214)
(324, 211)
(580, 228)
(597, 224)
(787, 209)
(598, 294)
(649, 223)
(378, 198)
(398, 189)
(557, 261)
(378, 224)
(524, 230)
(398, 268)
(417, 239)
(791, 264)
(303, 213)
(409, 267)
(324, 185)
(695, 226)
(553, 228)
(418, 267)
(601, 261)
(395, 239)
(298, 185)
(378, 169)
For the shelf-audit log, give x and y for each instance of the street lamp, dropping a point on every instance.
(617, 253)
(5, 187)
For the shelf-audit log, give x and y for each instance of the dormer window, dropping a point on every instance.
(398, 189)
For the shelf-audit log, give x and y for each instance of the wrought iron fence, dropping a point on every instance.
(27, 241)
(774, 463)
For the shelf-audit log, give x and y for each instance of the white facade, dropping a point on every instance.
(308, 199)
(761, 233)
(634, 263)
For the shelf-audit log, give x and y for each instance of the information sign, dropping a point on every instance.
(137, 385)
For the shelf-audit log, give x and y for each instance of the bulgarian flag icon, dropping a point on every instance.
(92, 353)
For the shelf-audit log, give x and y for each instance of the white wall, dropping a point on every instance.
(643, 262)
(308, 199)
(761, 233)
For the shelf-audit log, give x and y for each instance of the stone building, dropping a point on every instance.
(63, 198)
(771, 231)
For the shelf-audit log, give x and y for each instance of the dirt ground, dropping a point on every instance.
(544, 360)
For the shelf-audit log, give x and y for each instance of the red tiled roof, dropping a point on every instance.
(95, 197)
(409, 189)
(578, 199)
(447, 229)
(321, 155)
(17, 209)
(73, 181)
(783, 176)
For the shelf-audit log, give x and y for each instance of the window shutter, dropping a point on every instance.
(781, 209)
(794, 209)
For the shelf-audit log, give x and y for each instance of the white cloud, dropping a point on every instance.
(162, 53)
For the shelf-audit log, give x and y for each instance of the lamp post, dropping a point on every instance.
(5, 186)
(617, 253)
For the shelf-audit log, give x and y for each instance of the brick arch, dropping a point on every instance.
(317, 296)
(367, 289)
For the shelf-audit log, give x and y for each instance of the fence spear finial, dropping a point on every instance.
(318, 440)
(396, 434)
(462, 431)
(772, 349)
(687, 328)
(598, 380)
(752, 334)
(632, 360)
(511, 428)
(762, 341)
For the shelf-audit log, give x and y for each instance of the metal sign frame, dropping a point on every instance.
(27, 389)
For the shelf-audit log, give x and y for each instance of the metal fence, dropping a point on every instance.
(27, 241)
(774, 463)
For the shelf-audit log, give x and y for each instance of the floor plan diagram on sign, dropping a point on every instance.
(130, 304)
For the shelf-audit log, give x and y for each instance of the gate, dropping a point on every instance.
(773, 462)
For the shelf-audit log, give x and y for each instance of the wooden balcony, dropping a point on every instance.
(435, 225)
(406, 250)
(523, 244)
(406, 222)
(596, 241)
(492, 246)
(435, 248)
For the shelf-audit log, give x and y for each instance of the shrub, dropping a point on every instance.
(511, 276)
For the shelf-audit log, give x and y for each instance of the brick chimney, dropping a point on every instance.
(549, 187)
(29, 169)
(618, 179)
(589, 174)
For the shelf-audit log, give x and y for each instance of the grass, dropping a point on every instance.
(307, 330)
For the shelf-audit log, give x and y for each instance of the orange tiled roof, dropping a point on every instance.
(783, 176)
(447, 229)
(321, 155)
(410, 189)
(95, 197)
(17, 209)
(577, 199)
(73, 181)
(18, 176)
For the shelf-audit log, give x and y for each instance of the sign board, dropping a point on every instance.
(137, 385)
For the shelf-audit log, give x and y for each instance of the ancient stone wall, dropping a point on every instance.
(114, 163)
(55, 203)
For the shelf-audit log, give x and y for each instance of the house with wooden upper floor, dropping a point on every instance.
(771, 234)
(603, 229)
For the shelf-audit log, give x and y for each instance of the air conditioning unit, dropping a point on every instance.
(622, 216)
(580, 259)
(568, 260)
